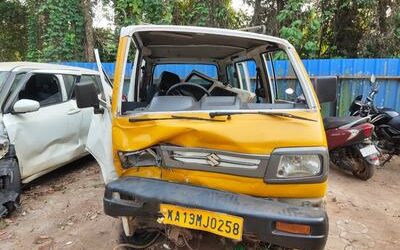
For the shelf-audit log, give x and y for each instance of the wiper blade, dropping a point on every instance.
(174, 117)
(281, 114)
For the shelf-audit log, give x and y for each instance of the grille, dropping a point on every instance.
(250, 165)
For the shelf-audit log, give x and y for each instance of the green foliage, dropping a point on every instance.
(214, 13)
(13, 31)
(129, 12)
(301, 28)
(333, 28)
(53, 30)
(56, 30)
(106, 43)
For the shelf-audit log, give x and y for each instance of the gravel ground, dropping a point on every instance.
(63, 210)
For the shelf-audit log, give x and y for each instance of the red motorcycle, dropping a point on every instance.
(350, 145)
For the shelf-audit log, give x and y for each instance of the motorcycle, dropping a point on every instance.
(386, 134)
(350, 147)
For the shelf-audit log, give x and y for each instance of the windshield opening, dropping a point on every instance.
(181, 79)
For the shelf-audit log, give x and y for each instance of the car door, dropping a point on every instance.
(87, 113)
(44, 139)
(99, 141)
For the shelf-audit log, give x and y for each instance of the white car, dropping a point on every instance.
(41, 127)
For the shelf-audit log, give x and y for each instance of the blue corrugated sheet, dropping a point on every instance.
(389, 90)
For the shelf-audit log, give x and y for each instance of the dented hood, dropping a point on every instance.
(245, 133)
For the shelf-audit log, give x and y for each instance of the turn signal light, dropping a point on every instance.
(292, 228)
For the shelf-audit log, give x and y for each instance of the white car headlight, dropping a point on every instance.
(301, 165)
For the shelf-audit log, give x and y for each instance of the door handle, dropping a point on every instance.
(73, 111)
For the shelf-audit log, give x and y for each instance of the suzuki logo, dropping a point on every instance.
(213, 160)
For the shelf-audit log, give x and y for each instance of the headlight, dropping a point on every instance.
(298, 166)
(141, 158)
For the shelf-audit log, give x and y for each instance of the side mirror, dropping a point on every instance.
(25, 106)
(373, 78)
(289, 91)
(326, 88)
(86, 96)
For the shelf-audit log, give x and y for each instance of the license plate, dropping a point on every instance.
(217, 223)
(368, 150)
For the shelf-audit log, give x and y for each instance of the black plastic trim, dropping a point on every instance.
(142, 197)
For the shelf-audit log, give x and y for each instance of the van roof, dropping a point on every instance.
(169, 41)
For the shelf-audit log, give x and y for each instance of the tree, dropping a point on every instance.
(301, 28)
(89, 31)
(212, 13)
(56, 30)
(266, 13)
(13, 31)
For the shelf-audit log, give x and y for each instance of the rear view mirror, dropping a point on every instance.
(25, 106)
(86, 96)
(326, 88)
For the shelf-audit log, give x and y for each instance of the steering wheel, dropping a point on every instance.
(188, 89)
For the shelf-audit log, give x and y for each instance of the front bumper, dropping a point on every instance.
(142, 197)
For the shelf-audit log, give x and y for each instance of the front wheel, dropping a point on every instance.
(364, 170)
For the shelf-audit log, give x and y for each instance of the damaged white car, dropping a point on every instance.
(41, 127)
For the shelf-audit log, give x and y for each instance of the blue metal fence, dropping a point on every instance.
(353, 73)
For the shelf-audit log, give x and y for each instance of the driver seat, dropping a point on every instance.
(167, 80)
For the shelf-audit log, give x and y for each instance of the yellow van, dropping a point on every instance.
(214, 133)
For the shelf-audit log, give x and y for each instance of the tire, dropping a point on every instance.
(141, 239)
(11, 183)
(364, 171)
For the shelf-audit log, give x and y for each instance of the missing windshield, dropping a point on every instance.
(190, 80)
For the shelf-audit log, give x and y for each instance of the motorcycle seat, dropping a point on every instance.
(335, 122)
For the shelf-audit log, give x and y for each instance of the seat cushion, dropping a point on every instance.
(335, 122)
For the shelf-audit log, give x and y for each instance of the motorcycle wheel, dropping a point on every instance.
(364, 170)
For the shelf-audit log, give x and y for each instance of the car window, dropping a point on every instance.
(44, 88)
(284, 81)
(69, 82)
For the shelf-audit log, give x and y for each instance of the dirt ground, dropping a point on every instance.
(63, 210)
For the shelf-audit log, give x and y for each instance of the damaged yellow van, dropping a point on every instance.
(213, 133)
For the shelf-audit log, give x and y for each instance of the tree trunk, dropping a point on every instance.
(382, 20)
(256, 19)
(89, 32)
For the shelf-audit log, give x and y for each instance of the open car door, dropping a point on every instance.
(99, 137)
